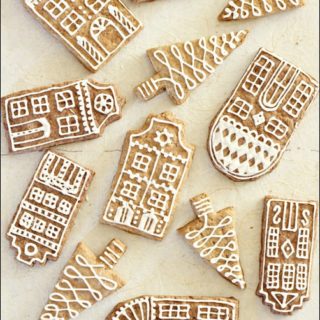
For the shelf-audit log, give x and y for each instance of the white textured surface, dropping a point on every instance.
(32, 57)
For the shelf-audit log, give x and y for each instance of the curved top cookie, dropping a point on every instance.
(250, 133)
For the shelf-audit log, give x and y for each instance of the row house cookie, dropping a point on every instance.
(62, 113)
(213, 236)
(154, 163)
(182, 67)
(288, 239)
(249, 134)
(48, 209)
(248, 9)
(94, 30)
(85, 280)
(176, 308)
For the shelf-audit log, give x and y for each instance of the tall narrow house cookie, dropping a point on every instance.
(47, 211)
(93, 30)
(252, 130)
(182, 67)
(154, 162)
(180, 308)
(287, 241)
(248, 9)
(63, 113)
(85, 280)
(214, 237)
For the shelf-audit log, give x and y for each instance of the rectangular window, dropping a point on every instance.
(19, 108)
(298, 99)
(141, 162)
(26, 220)
(273, 242)
(212, 313)
(73, 22)
(50, 200)
(38, 225)
(68, 125)
(273, 276)
(40, 105)
(288, 276)
(65, 100)
(303, 243)
(56, 8)
(240, 108)
(169, 172)
(276, 127)
(52, 231)
(302, 276)
(64, 207)
(96, 5)
(130, 190)
(36, 194)
(158, 200)
(174, 311)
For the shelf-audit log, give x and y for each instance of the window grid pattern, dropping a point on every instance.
(141, 162)
(212, 313)
(68, 125)
(40, 105)
(158, 200)
(36, 194)
(39, 225)
(64, 207)
(169, 172)
(273, 276)
(73, 22)
(19, 108)
(65, 100)
(96, 5)
(240, 108)
(303, 243)
(26, 220)
(52, 231)
(56, 8)
(130, 190)
(276, 127)
(273, 242)
(288, 276)
(50, 200)
(302, 276)
(174, 311)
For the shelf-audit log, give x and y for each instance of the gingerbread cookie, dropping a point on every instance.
(252, 130)
(214, 237)
(58, 114)
(183, 67)
(85, 280)
(248, 9)
(47, 211)
(93, 30)
(170, 308)
(154, 162)
(287, 241)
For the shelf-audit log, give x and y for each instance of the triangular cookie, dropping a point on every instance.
(213, 235)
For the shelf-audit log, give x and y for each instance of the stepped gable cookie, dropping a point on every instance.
(287, 241)
(252, 130)
(154, 162)
(166, 307)
(182, 67)
(47, 211)
(93, 30)
(85, 280)
(214, 237)
(62, 113)
(248, 9)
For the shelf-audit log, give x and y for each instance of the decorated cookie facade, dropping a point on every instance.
(249, 135)
(288, 238)
(85, 280)
(183, 67)
(154, 162)
(248, 9)
(58, 114)
(214, 237)
(47, 211)
(94, 30)
(182, 308)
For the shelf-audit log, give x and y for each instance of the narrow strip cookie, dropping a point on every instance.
(62, 113)
(214, 237)
(93, 30)
(173, 307)
(154, 163)
(182, 67)
(288, 239)
(252, 130)
(85, 280)
(248, 9)
(46, 214)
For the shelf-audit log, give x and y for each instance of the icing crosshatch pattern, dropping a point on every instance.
(44, 216)
(94, 29)
(288, 238)
(59, 114)
(176, 308)
(249, 135)
(154, 164)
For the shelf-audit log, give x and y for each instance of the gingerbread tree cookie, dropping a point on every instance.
(171, 308)
(94, 30)
(287, 241)
(182, 67)
(247, 9)
(85, 280)
(154, 163)
(214, 237)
